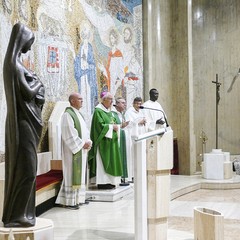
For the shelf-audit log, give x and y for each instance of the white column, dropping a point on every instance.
(140, 191)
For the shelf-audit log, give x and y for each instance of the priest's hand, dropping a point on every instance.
(87, 145)
(142, 122)
(115, 127)
(124, 124)
(160, 121)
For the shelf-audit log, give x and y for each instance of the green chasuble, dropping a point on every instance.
(77, 157)
(123, 150)
(108, 147)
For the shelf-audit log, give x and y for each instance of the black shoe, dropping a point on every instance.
(131, 181)
(85, 203)
(123, 182)
(106, 186)
(76, 207)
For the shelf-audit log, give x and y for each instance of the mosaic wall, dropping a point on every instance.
(81, 45)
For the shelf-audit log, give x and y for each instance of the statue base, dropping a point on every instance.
(108, 195)
(42, 230)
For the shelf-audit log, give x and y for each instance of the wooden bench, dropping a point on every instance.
(47, 187)
(48, 182)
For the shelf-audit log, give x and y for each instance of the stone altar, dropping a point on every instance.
(217, 165)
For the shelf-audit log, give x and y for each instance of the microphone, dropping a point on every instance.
(114, 105)
(155, 109)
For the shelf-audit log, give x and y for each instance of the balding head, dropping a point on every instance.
(75, 100)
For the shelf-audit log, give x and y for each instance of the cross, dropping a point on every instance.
(218, 84)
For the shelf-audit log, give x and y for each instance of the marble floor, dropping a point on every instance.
(115, 220)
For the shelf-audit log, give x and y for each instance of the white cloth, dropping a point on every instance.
(133, 129)
(71, 144)
(134, 117)
(101, 176)
(152, 115)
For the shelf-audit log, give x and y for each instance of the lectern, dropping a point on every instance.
(153, 161)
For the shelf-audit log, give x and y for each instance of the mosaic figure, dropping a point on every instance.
(114, 71)
(85, 70)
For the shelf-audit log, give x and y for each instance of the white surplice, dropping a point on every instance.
(71, 144)
(153, 115)
(133, 129)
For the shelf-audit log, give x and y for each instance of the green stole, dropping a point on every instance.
(77, 157)
(123, 150)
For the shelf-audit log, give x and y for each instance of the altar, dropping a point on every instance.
(217, 165)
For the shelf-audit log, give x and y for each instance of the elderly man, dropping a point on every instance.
(75, 144)
(104, 158)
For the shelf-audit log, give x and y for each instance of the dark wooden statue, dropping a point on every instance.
(25, 98)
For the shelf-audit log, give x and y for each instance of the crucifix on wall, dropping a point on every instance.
(218, 84)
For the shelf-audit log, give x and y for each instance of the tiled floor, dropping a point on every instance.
(115, 220)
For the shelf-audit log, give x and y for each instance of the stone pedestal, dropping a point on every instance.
(208, 224)
(42, 230)
(108, 195)
(154, 155)
(217, 165)
(228, 170)
(159, 163)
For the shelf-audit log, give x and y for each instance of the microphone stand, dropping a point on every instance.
(155, 109)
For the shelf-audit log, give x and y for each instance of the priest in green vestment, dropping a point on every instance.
(104, 158)
(75, 146)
